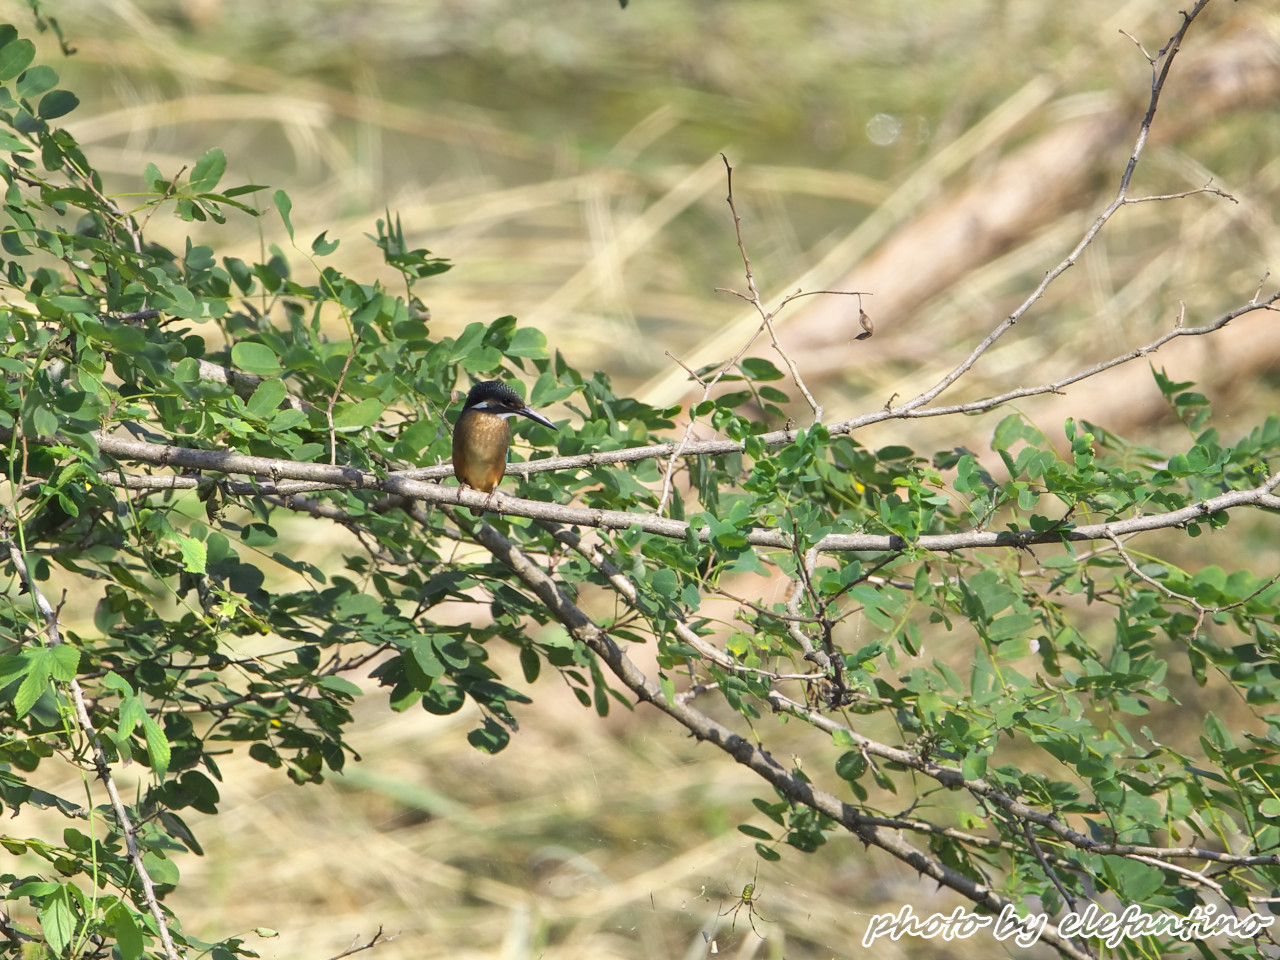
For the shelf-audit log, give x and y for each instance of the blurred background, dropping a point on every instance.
(939, 155)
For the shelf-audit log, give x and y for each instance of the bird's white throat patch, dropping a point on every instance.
(487, 407)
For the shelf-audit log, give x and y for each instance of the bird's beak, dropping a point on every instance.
(535, 417)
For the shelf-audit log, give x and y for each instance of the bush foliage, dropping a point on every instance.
(163, 411)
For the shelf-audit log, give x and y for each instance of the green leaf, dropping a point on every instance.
(154, 179)
(530, 664)
(208, 171)
(267, 397)
(29, 691)
(664, 582)
(973, 765)
(15, 56)
(1008, 432)
(340, 685)
(57, 103)
(851, 765)
(1218, 733)
(469, 340)
(322, 247)
(255, 358)
(349, 416)
(157, 746)
(1015, 648)
(42, 663)
(130, 715)
(57, 922)
(481, 360)
(36, 81)
(284, 205)
(162, 869)
(194, 554)
(128, 934)
(528, 342)
(489, 738)
(45, 421)
(35, 888)
(1011, 626)
(425, 656)
(758, 368)
(12, 144)
(11, 241)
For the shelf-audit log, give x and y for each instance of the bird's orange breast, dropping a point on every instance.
(480, 442)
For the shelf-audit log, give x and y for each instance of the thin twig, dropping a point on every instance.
(683, 630)
(766, 323)
(778, 438)
(333, 400)
(1159, 76)
(1029, 832)
(1201, 610)
(766, 316)
(687, 439)
(100, 763)
(376, 940)
(954, 778)
(168, 192)
(1207, 188)
(796, 788)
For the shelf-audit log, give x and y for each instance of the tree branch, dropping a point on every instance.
(1159, 77)
(794, 788)
(101, 766)
(351, 478)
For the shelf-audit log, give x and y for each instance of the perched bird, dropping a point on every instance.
(482, 435)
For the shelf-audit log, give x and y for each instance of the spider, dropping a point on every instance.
(749, 899)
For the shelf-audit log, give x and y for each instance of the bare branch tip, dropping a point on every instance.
(1137, 43)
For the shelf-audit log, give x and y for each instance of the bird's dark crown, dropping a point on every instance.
(493, 395)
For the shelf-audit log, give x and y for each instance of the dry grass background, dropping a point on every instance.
(564, 153)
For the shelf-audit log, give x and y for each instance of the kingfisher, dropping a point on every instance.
(482, 435)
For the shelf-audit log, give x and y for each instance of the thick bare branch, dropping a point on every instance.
(351, 478)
